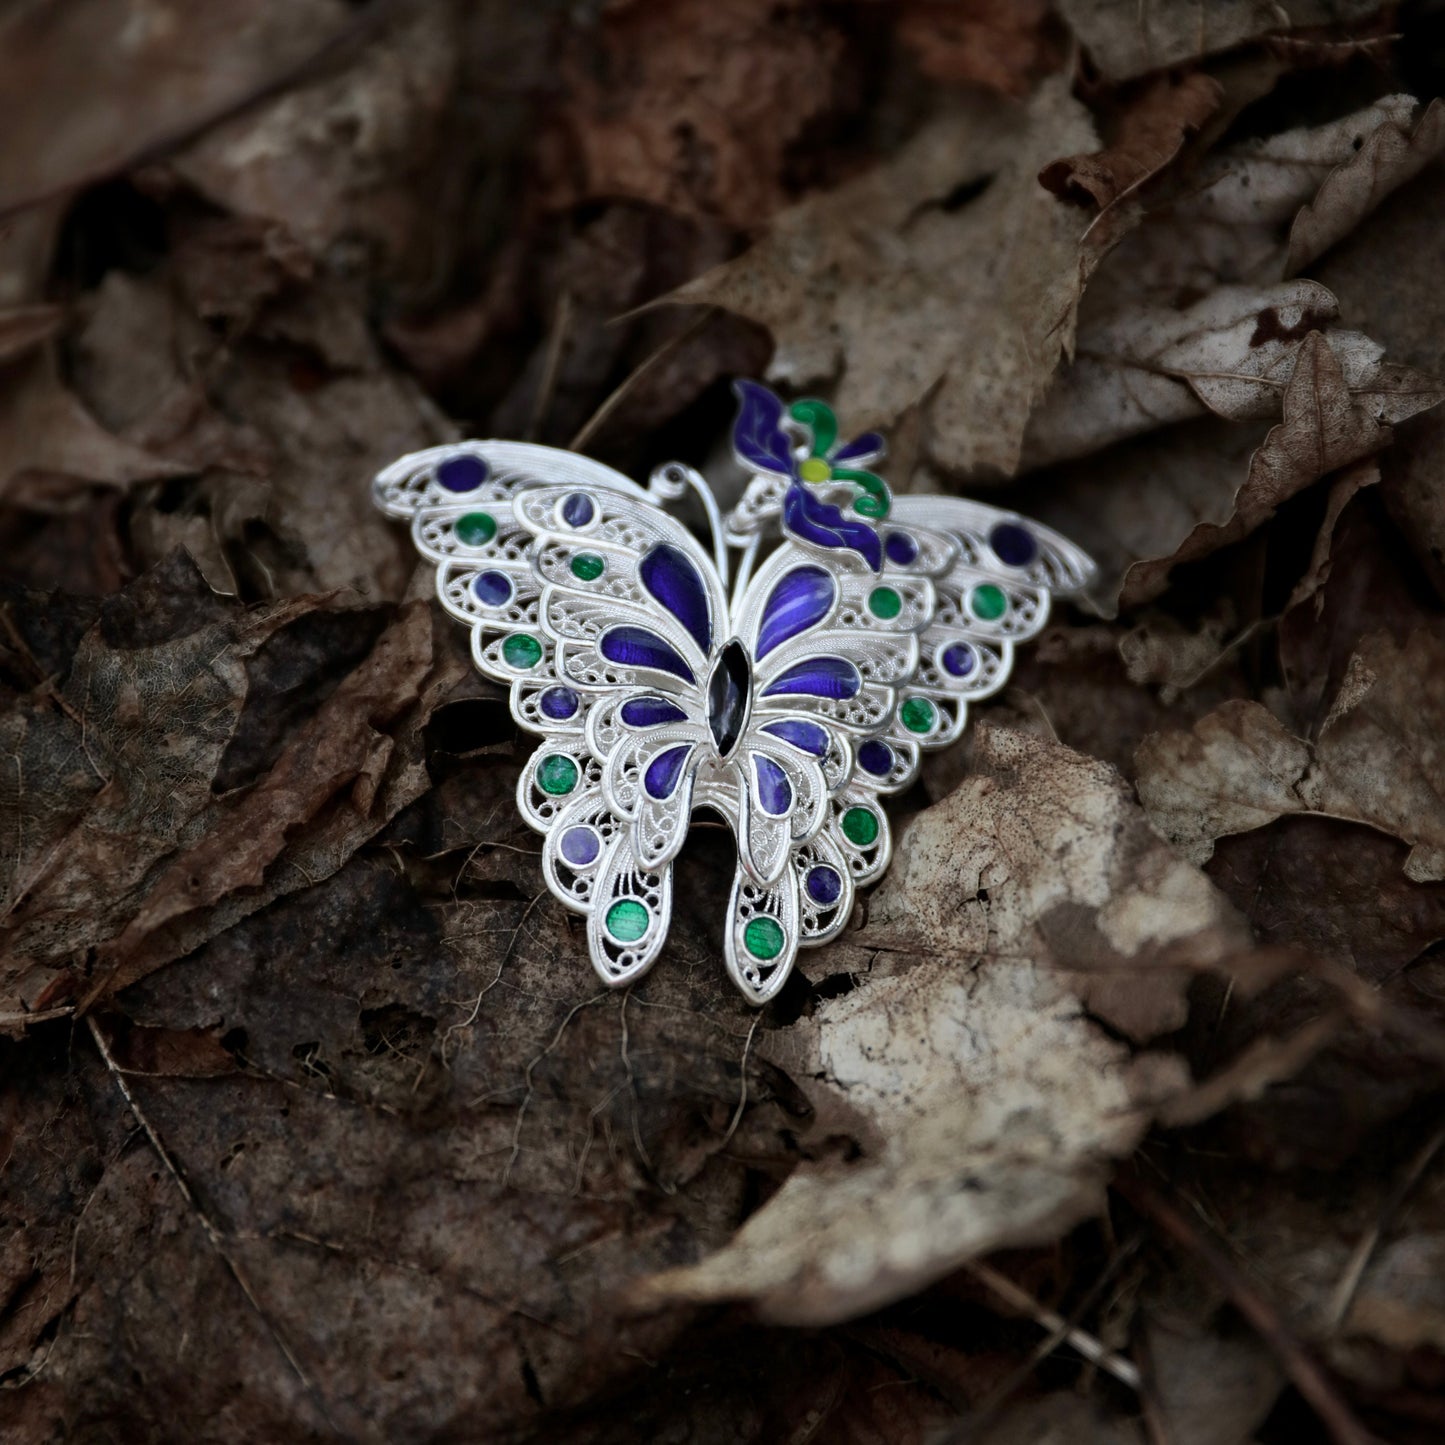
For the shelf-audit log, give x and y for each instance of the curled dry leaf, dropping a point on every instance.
(1199, 505)
(1377, 760)
(1150, 133)
(692, 104)
(1232, 353)
(24, 327)
(856, 282)
(985, 1099)
(1125, 40)
(1231, 225)
(1393, 153)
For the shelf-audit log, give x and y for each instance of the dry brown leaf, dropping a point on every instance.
(52, 448)
(151, 75)
(946, 273)
(1392, 154)
(1150, 133)
(984, 1098)
(693, 104)
(1377, 761)
(1231, 225)
(1125, 40)
(25, 327)
(1002, 44)
(1232, 353)
(333, 160)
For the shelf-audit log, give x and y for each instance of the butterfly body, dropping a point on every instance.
(788, 706)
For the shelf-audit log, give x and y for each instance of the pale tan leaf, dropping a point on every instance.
(947, 273)
(1232, 353)
(1392, 154)
(1377, 761)
(986, 1100)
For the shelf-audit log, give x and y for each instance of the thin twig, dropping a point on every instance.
(590, 427)
(551, 364)
(1091, 1348)
(743, 1091)
(1344, 1294)
(212, 1233)
(1301, 1367)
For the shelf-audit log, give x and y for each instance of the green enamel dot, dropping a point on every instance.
(557, 775)
(988, 602)
(860, 827)
(884, 602)
(917, 715)
(520, 650)
(763, 938)
(815, 469)
(476, 529)
(588, 566)
(627, 920)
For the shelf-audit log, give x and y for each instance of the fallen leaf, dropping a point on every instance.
(1376, 761)
(851, 282)
(52, 450)
(1003, 44)
(1232, 353)
(1149, 134)
(150, 78)
(693, 104)
(24, 327)
(1127, 40)
(1392, 154)
(984, 1099)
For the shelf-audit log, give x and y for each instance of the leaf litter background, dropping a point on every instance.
(1116, 1114)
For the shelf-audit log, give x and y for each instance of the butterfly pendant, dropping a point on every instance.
(789, 690)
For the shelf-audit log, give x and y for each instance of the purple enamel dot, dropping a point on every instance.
(580, 846)
(901, 548)
(959, 659)
(578, 510)
(876, 758)
(1013, 545)
(462, 474)
(492, 589)
(824, 885)
(559, 703)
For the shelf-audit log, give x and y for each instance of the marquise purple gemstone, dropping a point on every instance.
(660, 779)
(637, 647)
(775, 792)
(805, 735)
(669, 574)
(651, 712)
(830, 677)
(729, 687)
(800, 599)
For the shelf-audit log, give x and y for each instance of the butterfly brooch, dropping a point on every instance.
(789, 690)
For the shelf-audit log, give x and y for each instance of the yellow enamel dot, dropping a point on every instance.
(815, 469)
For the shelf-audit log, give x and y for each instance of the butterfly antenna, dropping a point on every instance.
(668, 483)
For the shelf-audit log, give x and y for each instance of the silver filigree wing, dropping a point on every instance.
(538, 552)
(866, 670)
